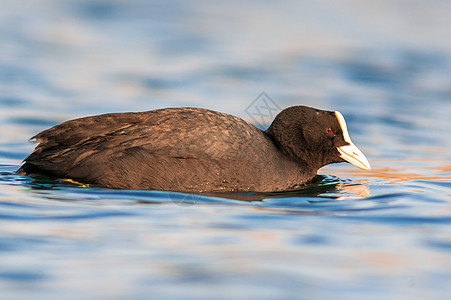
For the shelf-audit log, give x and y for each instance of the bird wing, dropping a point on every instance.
(187, 133)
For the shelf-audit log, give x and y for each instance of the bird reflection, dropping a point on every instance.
(322, 189)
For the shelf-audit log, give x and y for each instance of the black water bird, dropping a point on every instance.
(193, 150)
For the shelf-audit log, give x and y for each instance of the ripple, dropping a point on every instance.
(333, 206)
(24, 276)
(35, 122)
(58, 216)
(383, 233)
(325, 195)
(330, 187)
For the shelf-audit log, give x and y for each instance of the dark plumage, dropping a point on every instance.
(192, 149)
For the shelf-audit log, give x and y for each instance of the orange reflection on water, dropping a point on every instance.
(398, 170)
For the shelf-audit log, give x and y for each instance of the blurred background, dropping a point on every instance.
(373, 60)
(67, 58)
(386, 65)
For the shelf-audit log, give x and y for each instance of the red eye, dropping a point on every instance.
(329, 130)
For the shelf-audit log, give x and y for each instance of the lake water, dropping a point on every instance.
(353, 234)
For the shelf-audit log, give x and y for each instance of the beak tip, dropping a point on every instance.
(354, 156)
(366, 164)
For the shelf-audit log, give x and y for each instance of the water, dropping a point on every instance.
(353, 234)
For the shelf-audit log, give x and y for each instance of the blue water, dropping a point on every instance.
(353, 234)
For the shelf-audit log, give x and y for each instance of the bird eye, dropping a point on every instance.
(329, 130)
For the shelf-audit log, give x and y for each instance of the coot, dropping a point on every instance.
(194, 150)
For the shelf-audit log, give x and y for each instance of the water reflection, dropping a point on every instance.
(325, 190)
(326, 195)
(384, 233)
(396, 171)
(353, 191)
(322, 187)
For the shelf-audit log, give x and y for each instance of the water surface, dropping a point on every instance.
(353, 234)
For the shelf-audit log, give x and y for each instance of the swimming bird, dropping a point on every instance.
(194, 150)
